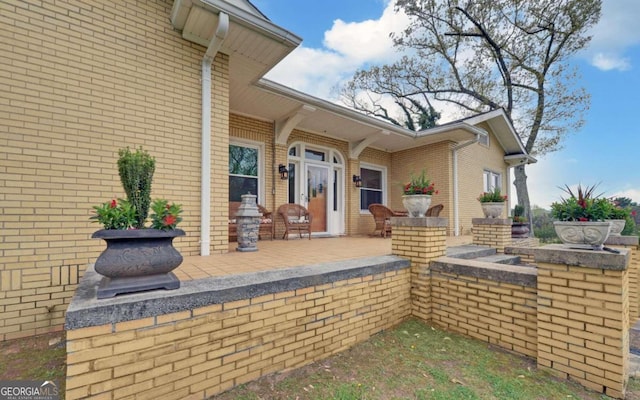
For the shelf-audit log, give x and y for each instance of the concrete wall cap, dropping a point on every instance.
(86, 310)
(491, 221)
(427, 222)
(513, 274)
(622, 241)
(560, 254)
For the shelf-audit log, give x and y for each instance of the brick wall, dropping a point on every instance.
(80, 80)
(436, 160)
(492, 232)
(200, 352)
(630, 243)
(420, 240)
(472, 161)
(583, 317)
(499, 308)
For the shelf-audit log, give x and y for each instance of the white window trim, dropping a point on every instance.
(261, 160)
(383, 170)
(488, 139)
(491, 173)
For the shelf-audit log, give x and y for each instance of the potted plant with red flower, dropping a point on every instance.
(492, 203)
(137, 258)
(417, 194)
(581, 218)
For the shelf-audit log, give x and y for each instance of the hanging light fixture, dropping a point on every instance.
(284, 172)
(357, 180)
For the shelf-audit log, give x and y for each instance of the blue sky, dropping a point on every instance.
(340, 36)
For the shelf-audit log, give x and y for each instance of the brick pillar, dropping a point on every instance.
(631, 243)
(420, 240)
(583, 316)
(492, 232)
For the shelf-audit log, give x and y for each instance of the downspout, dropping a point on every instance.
(205, 185)
(454, 151)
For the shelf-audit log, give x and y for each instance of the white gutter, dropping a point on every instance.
(205, 184)
(454, 151)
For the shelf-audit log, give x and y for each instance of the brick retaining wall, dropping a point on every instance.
(213, 334)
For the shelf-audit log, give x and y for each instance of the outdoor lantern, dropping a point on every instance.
(284, 173)
(357, 180)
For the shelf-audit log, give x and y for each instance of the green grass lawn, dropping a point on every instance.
(415, 361)
(412, 361)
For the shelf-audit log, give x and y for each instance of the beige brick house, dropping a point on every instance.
(184, 79)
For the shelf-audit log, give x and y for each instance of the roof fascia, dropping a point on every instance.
(251, 21)
(497, 113)
(342, 111)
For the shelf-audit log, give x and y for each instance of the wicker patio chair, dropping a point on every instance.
(295, 218)
(381, 216)
(266, 223)
(434, 211)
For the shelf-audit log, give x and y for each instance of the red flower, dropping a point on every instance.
(424, 190)
(634, 213)
(583, 219)
(114, 203)
(169, 220)
(437, 192)
(582, 203)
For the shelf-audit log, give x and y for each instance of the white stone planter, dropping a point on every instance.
(617, 226)
(492, 209)
(589, 235)
(416, 204)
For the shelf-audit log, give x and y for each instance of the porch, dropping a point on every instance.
(277, 254)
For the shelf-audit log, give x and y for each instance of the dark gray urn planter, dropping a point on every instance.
(137, 260)
(519, 230)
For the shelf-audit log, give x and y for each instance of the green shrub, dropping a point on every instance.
(136, 173)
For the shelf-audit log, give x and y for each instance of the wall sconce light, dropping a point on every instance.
(284, 173)
(357, 180)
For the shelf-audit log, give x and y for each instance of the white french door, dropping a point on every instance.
(316, 181)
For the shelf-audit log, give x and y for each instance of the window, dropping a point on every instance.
(314, 155)
(243, 170)
(484, 139)
(491, 181)
(372, 190)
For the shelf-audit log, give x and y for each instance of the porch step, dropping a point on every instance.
(501, 259)
(469, 251)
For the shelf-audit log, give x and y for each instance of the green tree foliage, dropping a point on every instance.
(482, 55)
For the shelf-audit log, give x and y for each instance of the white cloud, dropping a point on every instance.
(366, 41)
(347, 47)
(607, 62)
(617, 30)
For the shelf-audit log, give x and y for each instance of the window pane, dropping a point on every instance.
(491, 181)
(368, 197)
(371, 179)
(314, 155)
(243, 161)
(292, 183)
(239, 185)
(293, 151)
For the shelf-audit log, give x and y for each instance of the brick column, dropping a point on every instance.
(420, 240)
(583, 316)
(492, 232)
(631, 243)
